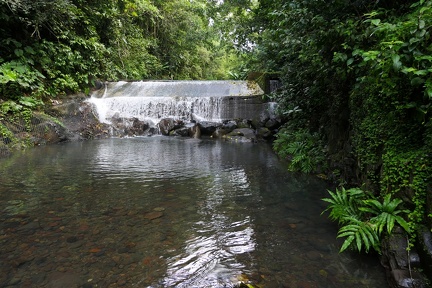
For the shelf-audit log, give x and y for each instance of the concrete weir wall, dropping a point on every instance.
(185, 100)
(186, 108)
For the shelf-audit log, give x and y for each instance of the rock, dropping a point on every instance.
(243, 123)
(166, 125)
(241, 135)
(64, 279)
(229, 126)
(208, 128)
(182, 131)
(30, 227)
(79, 119)
(395, 259)
(264, 133)
(138, 127)
(257, 123)
(313, 255)
(402, 279)
(153, 215)
(14, 281)
(188, 130)
(219, 133)
(272, 124)
(425, 249)
(95, 250)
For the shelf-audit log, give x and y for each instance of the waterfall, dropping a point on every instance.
(181, 100)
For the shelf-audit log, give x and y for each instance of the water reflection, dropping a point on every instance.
(167, 212)
(211, 257)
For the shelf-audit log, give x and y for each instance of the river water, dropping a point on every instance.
(168, 212)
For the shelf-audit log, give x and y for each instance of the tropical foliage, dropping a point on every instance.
(301, 147)
(49, 48)
(357, 74)
(364, 218)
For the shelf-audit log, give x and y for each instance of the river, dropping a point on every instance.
(168, 212)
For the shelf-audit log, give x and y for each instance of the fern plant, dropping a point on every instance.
(362, 232)
(363, 218)
(302, 148)
(387, 213)
(344, 203)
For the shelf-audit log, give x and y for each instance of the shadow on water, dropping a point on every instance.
(167, 212)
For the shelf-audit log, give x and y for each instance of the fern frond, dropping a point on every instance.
(363, 234)
(402, 223)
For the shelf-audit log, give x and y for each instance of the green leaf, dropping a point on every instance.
(429, 92)
(19, 52)
(347, 243)
(421, 24)
(417, 81)
(397, 64)
(376, 22)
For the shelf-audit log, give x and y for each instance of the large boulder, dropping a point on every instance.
(402, 265)
(241, 135)
(208, 128)
(79, 118)
(264, 133)
(425, 249)
(166, 125)
(188, 130)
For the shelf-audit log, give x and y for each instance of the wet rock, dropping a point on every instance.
(30, 228)
(400, 265)
(79, 119)
(272, 124)
(241, 135)
(313, 255)
(402, 279)
(64, 279)
(219, 133)
(425, 249)
(229, 126)
(188, 130)
(243, 123)
(75, 245)
(72, 239)
(264, 133)
(38, 278)
(14, 281)
(208, 128)
(95, 250)
(257, 123)
(153, 215)
(138, 127)
(166, 125)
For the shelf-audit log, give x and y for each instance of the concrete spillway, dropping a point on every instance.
(186, 100)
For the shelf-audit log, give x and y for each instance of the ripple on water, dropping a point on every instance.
(163, 212)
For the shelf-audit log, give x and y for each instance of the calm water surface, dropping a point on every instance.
(167, 212)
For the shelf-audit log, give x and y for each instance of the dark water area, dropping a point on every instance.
(168, 212)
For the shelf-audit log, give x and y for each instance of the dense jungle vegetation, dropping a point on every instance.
(356, 81)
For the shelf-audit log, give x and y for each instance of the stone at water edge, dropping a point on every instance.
(166, 125)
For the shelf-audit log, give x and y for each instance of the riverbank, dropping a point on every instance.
(67, 119)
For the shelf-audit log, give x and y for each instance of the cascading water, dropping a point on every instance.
(184, 108)
(181, 100)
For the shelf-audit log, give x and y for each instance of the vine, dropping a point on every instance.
(407, 175)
